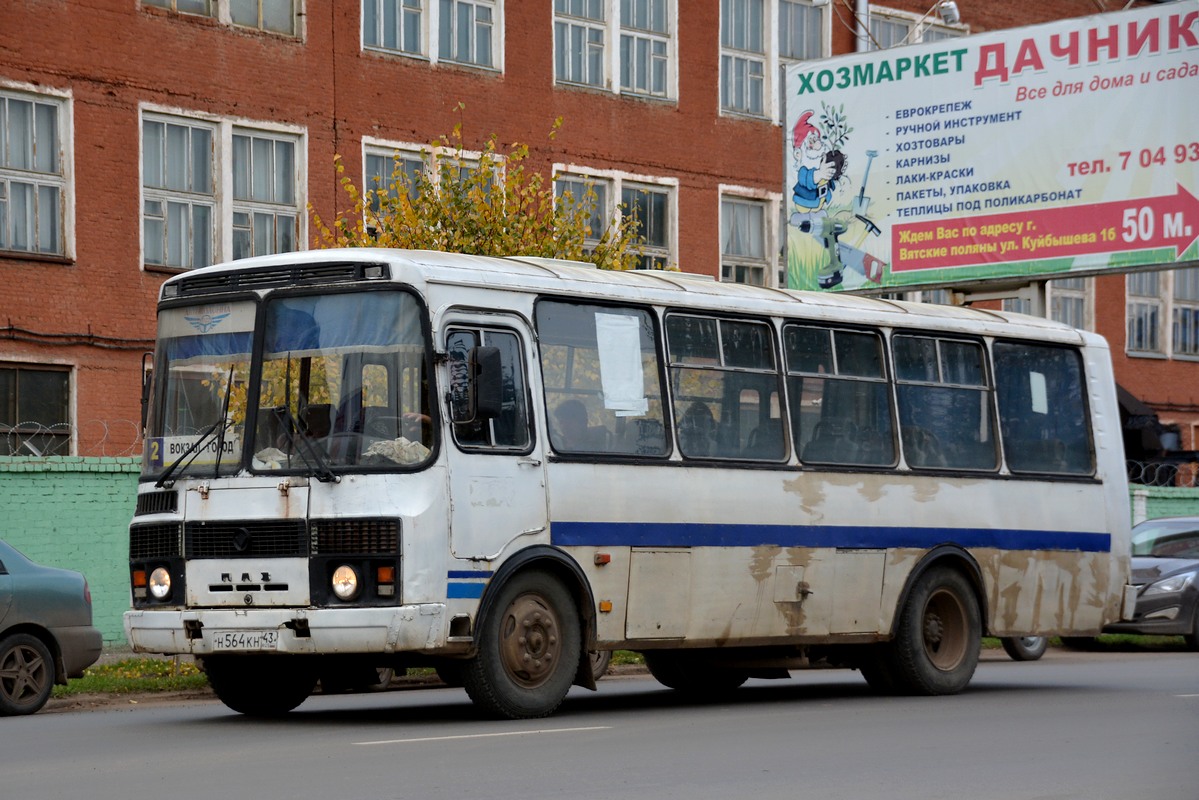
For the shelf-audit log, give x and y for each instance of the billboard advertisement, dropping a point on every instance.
(1070, 148)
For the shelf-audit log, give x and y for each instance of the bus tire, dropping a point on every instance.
(876, 669)
(600, 659)
(260, 686)
(936, 645)
(690, 674)
(528, 649)
(1025, 648)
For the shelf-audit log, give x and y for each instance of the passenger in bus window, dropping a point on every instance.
(575, 432)
(697, 430)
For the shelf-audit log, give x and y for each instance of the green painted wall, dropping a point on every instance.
(74, 512)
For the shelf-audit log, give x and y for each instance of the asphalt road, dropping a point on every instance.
(1088, 726)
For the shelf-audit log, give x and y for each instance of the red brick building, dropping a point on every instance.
(141, 137)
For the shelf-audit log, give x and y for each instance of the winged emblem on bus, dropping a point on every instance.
(206, 322)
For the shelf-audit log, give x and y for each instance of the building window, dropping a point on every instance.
(579, 31)
(178, 193)
(594, 195)
(645, 47)
(890, 28)
(33, 174)
(1144, 312)
(393, 25)
(650, 206)
(383, 168)
(35, 416)
(643, 57)
(801, 31)
(651, 203)
(1068, 301)
(1186, 312)
(466, 32)
(189, 219)
(743, 238)
(743, 56)
(265, 217)
(275, 16)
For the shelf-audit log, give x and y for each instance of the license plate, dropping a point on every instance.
(245, 640)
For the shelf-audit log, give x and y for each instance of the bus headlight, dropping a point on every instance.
(160, 583)
(345, 582)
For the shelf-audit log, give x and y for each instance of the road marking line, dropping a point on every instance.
(486, 735)
(1186, 695)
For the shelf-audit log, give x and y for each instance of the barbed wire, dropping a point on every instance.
(96, 437)
(1165, 472)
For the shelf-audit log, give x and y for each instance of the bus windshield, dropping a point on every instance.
(344, 384)
(203, 369)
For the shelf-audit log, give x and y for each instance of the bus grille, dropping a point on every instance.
(156, 503)
(273, 277)
(369, 536)
(232, 539)
(154, 541)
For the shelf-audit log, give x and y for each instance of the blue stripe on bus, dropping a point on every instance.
(652, 534)
(469, 591)
(469, 573)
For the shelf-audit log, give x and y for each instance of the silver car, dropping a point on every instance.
(1165, 568)
(46, 632)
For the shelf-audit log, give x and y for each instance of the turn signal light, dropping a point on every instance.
(139, 578)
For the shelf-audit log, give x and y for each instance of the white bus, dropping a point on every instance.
(368, 459)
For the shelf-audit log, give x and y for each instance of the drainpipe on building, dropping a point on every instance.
(861, 16)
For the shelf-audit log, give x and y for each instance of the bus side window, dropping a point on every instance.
(945, 411)
(840, 400)
(510, 429)
(720, 369)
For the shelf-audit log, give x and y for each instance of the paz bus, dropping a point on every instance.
(367, 459)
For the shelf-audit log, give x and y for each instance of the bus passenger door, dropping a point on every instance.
(497, 483)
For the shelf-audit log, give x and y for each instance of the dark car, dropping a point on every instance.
(1165, 569)
(46, 632)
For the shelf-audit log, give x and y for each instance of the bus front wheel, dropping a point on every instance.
(528, 649)
(935, 650)
(260, 686)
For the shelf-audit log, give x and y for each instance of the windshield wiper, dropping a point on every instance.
(314, 456)
(221, 424)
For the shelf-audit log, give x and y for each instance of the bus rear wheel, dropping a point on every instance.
(528, 649)
(260, 686)
(935, 650)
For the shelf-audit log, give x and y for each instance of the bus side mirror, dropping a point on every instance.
(146, 383)
(477, 392)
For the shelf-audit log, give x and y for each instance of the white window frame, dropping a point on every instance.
(222, 12)
(767, 60)
(1182, 279)
(1057, 290)
(64, 180)
(916, 25)
(822, 9)
(618, 181)
(387, 150)
(1136, 305)
(430, 28)
(224, 129)
(771, 203)
(773, 64)
(614, 34)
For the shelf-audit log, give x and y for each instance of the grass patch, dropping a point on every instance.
(135, 676)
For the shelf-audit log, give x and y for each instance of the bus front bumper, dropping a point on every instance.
(412, 628)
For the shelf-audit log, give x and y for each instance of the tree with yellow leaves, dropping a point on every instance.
(499, 208)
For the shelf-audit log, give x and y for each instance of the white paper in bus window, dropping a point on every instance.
(1040, 395)
(619, 340)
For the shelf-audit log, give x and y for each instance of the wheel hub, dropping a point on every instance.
(531, 646)
(22, 674)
